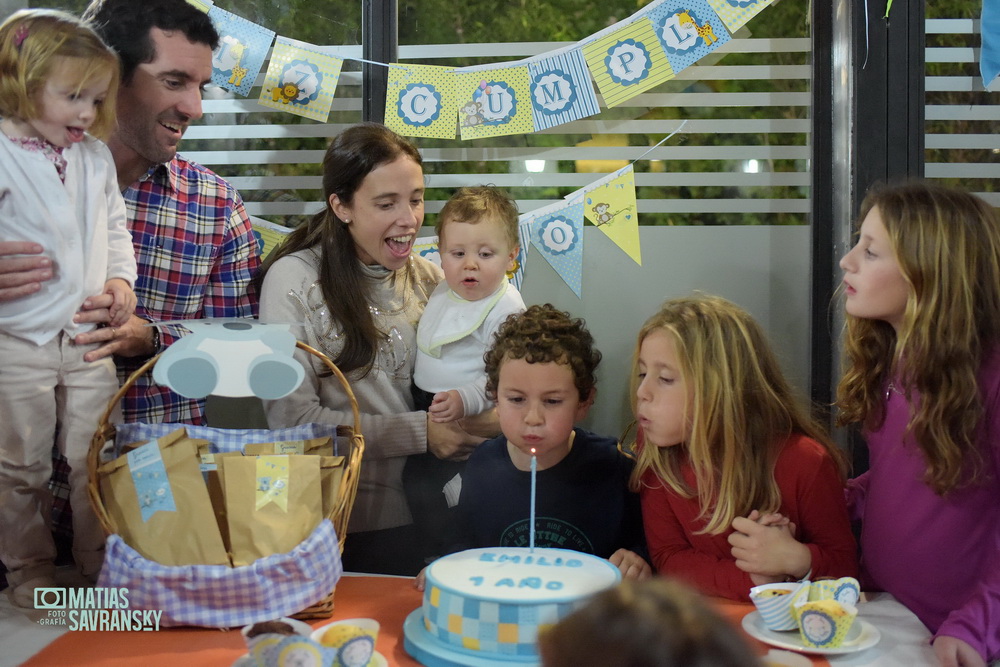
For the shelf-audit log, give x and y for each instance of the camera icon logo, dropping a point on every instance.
(50, 598)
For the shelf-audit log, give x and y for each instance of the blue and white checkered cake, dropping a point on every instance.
(493, 602)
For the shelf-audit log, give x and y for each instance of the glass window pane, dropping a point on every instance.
(962, 147)
(742, 157)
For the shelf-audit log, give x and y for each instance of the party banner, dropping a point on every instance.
(561, 89)
(557, 232)
(268, 235)
(627, 61)
(494, 102)
(610, 205)
(989, 64)
(421, 101)
(300, 80)
(427, 247)
(736, 13)
(521, 261)
(243, 46)
(688, 30)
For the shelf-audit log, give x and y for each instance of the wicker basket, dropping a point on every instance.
(340, 512)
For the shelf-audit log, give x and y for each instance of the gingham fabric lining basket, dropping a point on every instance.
(226, 439)
(217, 596)
(298, 583)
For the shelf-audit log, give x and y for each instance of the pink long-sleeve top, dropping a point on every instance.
(938, 556)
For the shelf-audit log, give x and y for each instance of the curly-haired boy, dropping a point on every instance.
(540, 371)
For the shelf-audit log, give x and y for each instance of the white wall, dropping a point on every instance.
(763, 269)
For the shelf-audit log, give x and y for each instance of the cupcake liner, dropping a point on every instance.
(774, 602)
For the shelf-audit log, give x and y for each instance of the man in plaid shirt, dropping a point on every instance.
(193, 241)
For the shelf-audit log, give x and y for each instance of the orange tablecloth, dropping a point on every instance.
(387, 599)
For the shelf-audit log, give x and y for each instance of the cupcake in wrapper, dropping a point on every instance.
(774, 602)
(825, 623)
(845, 590)
(291, 651)
(353, 640)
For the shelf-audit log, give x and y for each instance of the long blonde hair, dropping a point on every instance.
(742, 411)
(947, 244)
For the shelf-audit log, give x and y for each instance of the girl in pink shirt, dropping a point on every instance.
(922, 377)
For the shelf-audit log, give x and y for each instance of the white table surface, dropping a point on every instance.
(905, 640)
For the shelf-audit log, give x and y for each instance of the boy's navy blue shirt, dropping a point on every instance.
(583, 502)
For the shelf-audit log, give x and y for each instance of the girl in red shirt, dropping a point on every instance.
(739, 487)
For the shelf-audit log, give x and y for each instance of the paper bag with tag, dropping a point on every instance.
(331, 467)
(272, 503)
(152, 492)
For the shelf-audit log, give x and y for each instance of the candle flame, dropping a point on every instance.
(532, 451)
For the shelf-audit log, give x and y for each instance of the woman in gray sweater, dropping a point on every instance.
(349, 278)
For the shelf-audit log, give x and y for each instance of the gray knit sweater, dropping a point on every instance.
(392, 429)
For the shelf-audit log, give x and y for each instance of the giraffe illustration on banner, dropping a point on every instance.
(705, 30)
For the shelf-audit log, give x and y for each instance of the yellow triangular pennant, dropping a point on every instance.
(610, 205)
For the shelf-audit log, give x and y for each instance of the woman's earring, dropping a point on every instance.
(347, 222)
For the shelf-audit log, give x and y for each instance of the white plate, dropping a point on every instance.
(863, 635)
(378, 660)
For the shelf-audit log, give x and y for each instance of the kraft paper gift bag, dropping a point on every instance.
(155, 495)
(212, 473)
(273, 503)
(331, 467)
(317, 446)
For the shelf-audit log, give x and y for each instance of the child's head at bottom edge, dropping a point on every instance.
(653, 623)
(541, 372)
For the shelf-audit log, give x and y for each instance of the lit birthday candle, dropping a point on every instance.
(534, 471)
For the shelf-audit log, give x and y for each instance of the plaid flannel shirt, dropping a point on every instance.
(196, 254)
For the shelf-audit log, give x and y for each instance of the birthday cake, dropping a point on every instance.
(491, 603)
